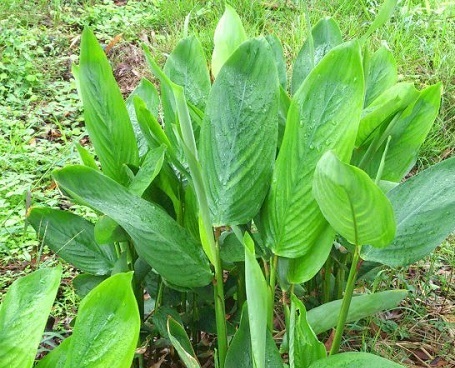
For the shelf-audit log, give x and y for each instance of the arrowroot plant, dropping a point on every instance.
(246, 184)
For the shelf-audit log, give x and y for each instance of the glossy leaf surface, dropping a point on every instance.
(187, 67)
(229, 34)
(72, 238)
(182, 343)
(325, 317)
(325, 36)
(383, 108)
(57, 357)
(424, 207)
(352, 203)
(107, 326)
(239, 134)
(105, 112)
(158, 239)
(354, 359)
(23, 316)
(324, 114)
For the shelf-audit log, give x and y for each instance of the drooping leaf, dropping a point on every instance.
(380, 74)
(407, 132)
(424, 208)
(23, 316)
(105, 112)
(158, 239)
(229, 34)
(239, 134)
(304, 346)
(324, 114)
(57, 357)
(187, 67)
(352, 203)
(355, 359)
(107, 326)
(182, 343)
(72, 238)
(257, 296)
(383, 108)
(325, 36)
(325, 317)
(147, 92)
(239, 354)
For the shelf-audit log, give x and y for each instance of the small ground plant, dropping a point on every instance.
(234, 185)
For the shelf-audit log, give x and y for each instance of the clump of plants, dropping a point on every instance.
(233, 186)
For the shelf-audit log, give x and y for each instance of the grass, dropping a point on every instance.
(40, 120)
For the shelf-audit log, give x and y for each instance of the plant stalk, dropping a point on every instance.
(220, 311)
(346, 301)
(272, 284)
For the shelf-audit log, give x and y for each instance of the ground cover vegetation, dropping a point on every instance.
(193, 189)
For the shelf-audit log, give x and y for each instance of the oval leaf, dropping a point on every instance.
(325, 317)
(324, 114)
(107, 326)
(325, 36)
(239, 134)
(424, 207)
(105, 112)
(158, 239)
(352, 203)
(229, 34)
(23, 316)
(72, 238)
(354, 359)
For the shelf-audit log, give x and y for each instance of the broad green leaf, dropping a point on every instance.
(239, 134)
(84, 283)
(280, 62)
(325, 36)
(352, 203)
(324, 114)
(147, 92)
(355, 359)
(107, 326)
(57, 357)
(108, 231)
(72, 238)
(148, 171)
(187, 67)
(86, 158)
(23, 316)
(325, 317)
(239, 354)
(229, 34)
(383, 108)
(304, 268)
(384, 14)
(380, 74)
(304, 346)
(158, 239)
(105, 112)
(424, 209)
(182, 343)
(258, 300)
(407, 132)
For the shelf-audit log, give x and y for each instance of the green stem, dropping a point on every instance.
(241, 287)
(346, 301)
(272, 284)
(220, 311)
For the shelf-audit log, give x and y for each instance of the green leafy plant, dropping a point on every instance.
(105, 332)
(194, 186)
